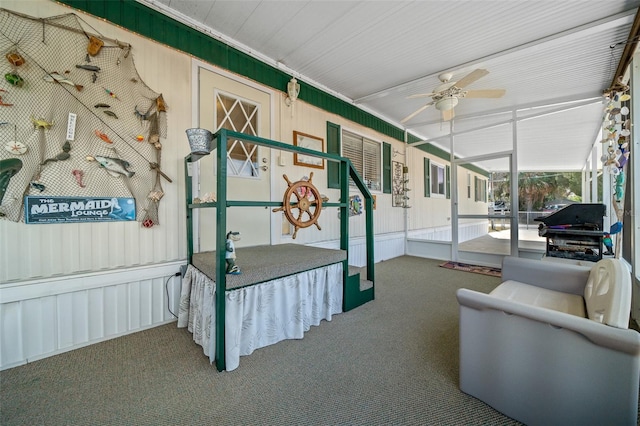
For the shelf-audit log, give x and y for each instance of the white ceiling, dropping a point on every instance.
(547, 54)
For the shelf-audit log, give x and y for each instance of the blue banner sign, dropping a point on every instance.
(78, 209)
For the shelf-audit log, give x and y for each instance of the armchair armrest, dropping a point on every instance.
(550, 275)
(627, 341)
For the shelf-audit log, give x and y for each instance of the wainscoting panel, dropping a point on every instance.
(49, 316)
(386, 246)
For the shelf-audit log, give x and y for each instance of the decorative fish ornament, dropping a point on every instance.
(88, 67)
(102, 106)
(54, 77)
(114, 166)
(39, 186)
(110, 113)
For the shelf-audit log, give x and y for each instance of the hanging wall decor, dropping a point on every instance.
(399, 185)
(81, 120)
(616, 150)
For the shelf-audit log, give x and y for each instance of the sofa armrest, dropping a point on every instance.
(627, 341)
(550, 275)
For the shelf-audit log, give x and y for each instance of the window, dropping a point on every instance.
(480, 189)
(438, 179)
(366, 156)
(240, 116)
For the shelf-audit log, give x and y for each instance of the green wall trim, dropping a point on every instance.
(147, 22)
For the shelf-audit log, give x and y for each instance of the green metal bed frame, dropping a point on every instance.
(352, 295)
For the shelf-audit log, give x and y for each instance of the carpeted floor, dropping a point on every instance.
(392, 361)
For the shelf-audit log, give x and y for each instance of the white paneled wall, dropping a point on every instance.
(466, 232)
(41, 318)
(386, 246)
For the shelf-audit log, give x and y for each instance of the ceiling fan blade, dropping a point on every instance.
(416, 112)
(471, 77)
(421, 95)
(488, 93)
(448, 115)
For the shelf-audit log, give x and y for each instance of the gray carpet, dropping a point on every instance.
(392, 361)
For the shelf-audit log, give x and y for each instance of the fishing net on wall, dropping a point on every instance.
(51, 68)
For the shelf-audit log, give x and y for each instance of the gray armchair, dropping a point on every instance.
(551, 344)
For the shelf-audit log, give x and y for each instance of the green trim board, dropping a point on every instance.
(333, 147)
(147, 22)
(386, 168)
(427, 176)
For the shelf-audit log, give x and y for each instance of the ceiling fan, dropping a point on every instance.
(445, 96)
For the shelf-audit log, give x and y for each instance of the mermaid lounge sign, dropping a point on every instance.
(78, 209)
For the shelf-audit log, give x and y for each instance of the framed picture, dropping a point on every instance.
(310, 142)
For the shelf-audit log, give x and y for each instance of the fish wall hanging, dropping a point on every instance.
(89, 67)
(44, 53)
(114, 166)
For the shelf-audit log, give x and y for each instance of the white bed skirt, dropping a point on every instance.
(262, 314)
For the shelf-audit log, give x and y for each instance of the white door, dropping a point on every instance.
(228, 103)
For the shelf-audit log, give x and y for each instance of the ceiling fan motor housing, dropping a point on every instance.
(446, 104)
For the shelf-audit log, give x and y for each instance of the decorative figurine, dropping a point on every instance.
(230, 257)
(608, 243)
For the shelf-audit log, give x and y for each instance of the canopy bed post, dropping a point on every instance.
(221, 231)
(344, 230)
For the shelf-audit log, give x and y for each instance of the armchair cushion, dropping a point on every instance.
(541, 297)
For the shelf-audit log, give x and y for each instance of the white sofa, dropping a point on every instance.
(551, 344)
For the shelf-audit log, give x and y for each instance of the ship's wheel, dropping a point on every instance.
(304, 197)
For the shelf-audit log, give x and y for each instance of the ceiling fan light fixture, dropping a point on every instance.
(447, 103)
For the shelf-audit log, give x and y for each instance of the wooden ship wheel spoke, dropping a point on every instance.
(305, 197)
